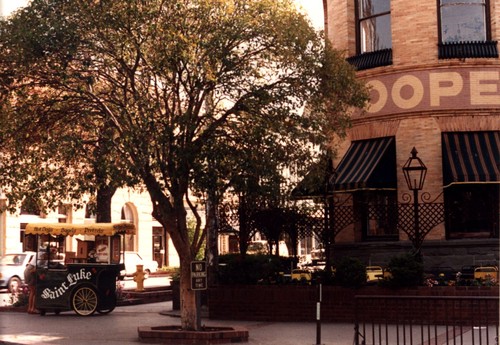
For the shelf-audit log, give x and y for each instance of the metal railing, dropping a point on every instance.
(412, 320)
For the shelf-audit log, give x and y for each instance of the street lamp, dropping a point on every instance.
(329, 227)
(415, 171)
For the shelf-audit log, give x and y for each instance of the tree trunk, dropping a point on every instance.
(103, 199)
(171, 214)
(188, 298)
(212, 252)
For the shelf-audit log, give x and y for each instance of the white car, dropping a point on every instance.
(12, 269)
(132, 259)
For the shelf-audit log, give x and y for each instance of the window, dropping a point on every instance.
(374, 20)
(128, 215)
(472, 210)
(463, 20)
(374, 41)
(378, 212)
(464, 30)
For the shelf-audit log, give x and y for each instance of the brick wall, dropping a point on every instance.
(298, 303)
(405, 97)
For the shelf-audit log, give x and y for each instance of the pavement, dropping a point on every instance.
(120, 327)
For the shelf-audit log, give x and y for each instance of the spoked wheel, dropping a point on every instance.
(84, 301)
(109, 306)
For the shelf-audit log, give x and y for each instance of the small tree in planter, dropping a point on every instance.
(406, 271)
(351, 273)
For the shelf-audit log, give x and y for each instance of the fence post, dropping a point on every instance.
(318, 315)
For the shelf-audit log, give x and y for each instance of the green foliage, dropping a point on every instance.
(406, 270)
(177, 96)
(193, 228)
(351, 273)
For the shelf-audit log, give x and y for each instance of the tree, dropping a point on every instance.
(174, 81)
(52, 146)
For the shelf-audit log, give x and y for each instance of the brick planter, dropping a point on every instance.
(298, 303)
(208, 336)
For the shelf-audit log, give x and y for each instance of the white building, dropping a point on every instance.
(151, 241)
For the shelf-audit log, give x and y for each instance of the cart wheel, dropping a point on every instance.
(106, 311)
(84, 301)
(111, 304)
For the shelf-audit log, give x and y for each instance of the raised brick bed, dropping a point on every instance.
(207, 336)
(298, 303)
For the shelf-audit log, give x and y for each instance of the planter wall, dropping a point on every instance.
(298, 303)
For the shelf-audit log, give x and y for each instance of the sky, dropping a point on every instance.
(314, 8)
(7, 6)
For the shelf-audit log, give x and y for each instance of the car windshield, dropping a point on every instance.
(12, 259)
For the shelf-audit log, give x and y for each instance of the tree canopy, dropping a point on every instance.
(179, 96)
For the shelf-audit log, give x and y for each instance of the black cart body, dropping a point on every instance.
(81, 286)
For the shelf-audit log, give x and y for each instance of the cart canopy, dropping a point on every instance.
(65, 229)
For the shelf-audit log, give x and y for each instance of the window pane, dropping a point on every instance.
(472, 210)
(376, 34)
(462, 2)
(369, 8)
(461, 23)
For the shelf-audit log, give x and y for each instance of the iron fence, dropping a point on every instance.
(430, 320)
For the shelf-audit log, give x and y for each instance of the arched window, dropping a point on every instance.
(128, 214)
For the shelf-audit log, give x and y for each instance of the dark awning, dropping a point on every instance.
(368, 164)
(471, 157)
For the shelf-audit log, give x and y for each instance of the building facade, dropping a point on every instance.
(433, 70)
(127, 205)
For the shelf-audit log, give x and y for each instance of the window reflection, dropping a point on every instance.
(463, 21)
(374, 25)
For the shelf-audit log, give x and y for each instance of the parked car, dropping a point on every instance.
(486, 272)
(132, 259)
(374, 274)
(301, 276)
(12, 269)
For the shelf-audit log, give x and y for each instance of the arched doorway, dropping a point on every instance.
(129, 214)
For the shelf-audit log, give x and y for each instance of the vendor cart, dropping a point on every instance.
(85, 280)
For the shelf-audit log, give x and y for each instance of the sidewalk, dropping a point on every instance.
(120, 328)
(260, 333)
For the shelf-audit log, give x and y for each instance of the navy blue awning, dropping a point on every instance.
(368, 164)
(471, 157)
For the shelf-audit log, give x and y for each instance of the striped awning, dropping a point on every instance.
(368, 164)
(471, 157)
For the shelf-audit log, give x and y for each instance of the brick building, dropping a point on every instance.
(434, 74)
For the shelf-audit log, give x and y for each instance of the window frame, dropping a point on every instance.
(358, 27)
(487, 24)
(367, 205)
(488, 193)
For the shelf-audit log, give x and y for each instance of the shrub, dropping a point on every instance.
(406, 270)
(351, 272)
(252, 269)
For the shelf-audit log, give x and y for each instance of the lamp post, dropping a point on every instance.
(329, 227)
(415, 171)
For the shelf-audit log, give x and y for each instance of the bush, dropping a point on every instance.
(252, 269)
(351, 272)
(406, 270)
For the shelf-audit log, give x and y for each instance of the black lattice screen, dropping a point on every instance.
(311, 222)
